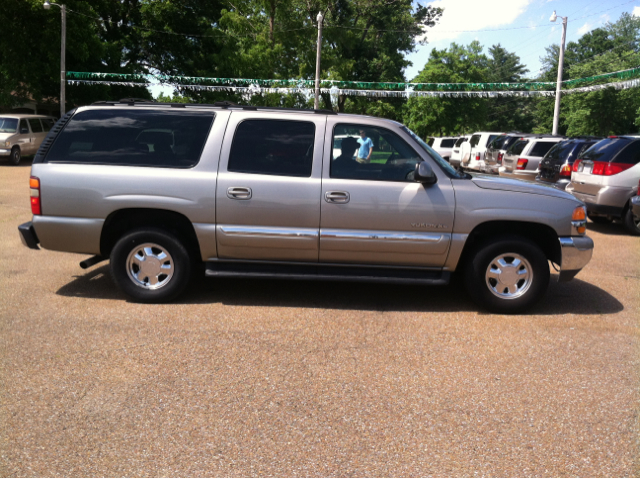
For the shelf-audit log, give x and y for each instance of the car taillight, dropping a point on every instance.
(522, 163)
(604, 168)
(500, 155)
(565, 170)
(34, 188)
(477, 156)
(576, 164)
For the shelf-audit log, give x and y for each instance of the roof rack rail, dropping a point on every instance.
(219, 104)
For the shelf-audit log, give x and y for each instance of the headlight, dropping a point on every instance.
(7, 143)
(579, 221)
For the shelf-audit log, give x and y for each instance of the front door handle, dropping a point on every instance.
(336, 197)
(239, 193)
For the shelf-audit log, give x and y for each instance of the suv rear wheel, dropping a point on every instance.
(507, 274)
(150, 265)
(631, 223)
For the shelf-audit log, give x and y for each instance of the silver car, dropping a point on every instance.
(246, 191)
(522, 159)
(21, 135)
(496, 151)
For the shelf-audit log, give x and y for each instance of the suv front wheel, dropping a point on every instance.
(507, 274)
(150, 265)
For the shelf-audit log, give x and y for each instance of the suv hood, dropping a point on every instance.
(520, 186)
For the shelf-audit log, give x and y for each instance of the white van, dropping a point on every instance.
(21, 135)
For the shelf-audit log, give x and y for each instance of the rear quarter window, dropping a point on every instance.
(606, 150)
(629, 155)
(540, 148)
(447, 143)
(133, 138)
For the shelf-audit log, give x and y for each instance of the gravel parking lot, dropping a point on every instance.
(278, 378)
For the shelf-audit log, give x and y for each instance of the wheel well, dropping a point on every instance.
(542, 235)
(121, 221)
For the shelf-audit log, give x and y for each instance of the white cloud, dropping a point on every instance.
(636, 12)
(584, 28)
(474, 15)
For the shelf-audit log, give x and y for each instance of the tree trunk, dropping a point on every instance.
(272, 18)
(341, 100)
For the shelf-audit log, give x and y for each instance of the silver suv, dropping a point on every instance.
(522, 159)
(247, 191)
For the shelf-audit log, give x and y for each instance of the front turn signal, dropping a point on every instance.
(579, 220)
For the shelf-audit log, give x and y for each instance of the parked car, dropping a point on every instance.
(256, 192)
(473, 154)
(21, 135)
(497, 149)
(443, 145)
(606, 177)
(555, 167)
(523, 157)
(456, 152)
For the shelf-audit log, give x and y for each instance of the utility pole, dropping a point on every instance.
(316, 103)
(556, 110)
(63, 48)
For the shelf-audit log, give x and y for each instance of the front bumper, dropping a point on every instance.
(28, 235)
(576, 252)
(4, 152)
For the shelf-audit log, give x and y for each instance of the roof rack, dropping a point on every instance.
(218, 104)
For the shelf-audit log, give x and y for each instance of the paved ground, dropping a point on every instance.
(245, 378)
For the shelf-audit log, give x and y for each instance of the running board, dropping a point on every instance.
(233, 269)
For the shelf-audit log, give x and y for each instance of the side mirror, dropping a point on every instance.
(424, 174)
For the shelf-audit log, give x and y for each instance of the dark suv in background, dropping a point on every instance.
(555, 167)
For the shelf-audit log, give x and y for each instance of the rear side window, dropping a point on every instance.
(160, 138)
(447, 143)
(541, 148)
(517, 147)
(474, 140)
(491, 138)
(430, 141)
(459, 142)
(273, 147)
(497, 143)
(509, 140)
(36, 127)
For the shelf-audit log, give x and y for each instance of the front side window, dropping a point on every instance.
(8, 125)
(161, 138)
(36, 127)
(372, 153)
(448, 143)
(274, 147)
(24, 129)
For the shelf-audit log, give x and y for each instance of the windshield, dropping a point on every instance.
(8, 125)
(444, 164)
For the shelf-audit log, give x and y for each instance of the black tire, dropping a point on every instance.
(600, 220)
(165, 242)
(631, 223)
(15, 156)
(532, 289)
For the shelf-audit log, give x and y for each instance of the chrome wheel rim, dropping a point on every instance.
(509, 276)
(150, 266)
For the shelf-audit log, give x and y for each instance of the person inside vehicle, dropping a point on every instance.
(366, 148)
(346, 161)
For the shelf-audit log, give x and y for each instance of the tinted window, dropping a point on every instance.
(430, 141)
(47, 123)
(23, 127)
(392, 159)
(474, 140)
(8, 125)
(134, 138)
(606, 149)
(447, 143)
(509, 140)
(273, 147)
(460, 141)
(497, 143)
(540, 148)
(630, 155)
(517, 147)
(564, 151)
(491, 138)
(36, 127)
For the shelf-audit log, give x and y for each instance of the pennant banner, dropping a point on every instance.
(334, 91)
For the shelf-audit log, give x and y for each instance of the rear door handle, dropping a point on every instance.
(239, 193)
(336, 197)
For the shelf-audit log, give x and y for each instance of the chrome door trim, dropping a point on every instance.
(269, 231)
(381, 235)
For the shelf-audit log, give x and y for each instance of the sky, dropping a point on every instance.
(520, 26)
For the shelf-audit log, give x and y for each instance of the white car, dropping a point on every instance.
(443, 145)
(473, 152)
(21, 134)
(456, 152)
(606, 177)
